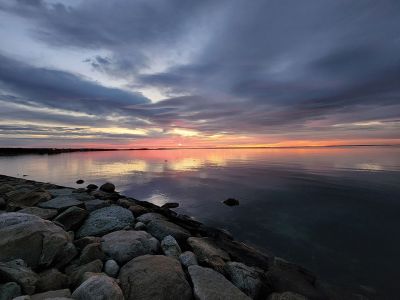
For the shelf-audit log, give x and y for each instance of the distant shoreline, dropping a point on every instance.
(50, 151)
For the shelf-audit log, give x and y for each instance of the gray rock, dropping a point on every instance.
(92, 187)
(208, 253)
(170, 205)
(2, 203)
(17, 271)
(90, 253)
(76, 273)
(155, 277)
(51, 279)
(25, 199)
(83, 242)
(24, 297)
(61, 192)
(286, 296)
(247, 279)
(72, 218)
(43, 213)
(188, 258)
(137, 210)
(47, 242)
(92, 205)
(65, 293)
(123, 245)
(140, 226)
(5, 188)
(171, 247)
(61, 203)
(98, 287)
(105, 220)
(108, 187)
(209, 285)
(9, 290)
(160, 229)
(146, 218)
(111, 268)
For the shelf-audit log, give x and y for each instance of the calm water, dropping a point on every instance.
(334, 210)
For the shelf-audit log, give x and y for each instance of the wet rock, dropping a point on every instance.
(208, 284)
(98, 287)
(286, 296)
(72, 218)
(43, 213)
(208, 253)
(111, 268)
(248, 279)
(146, 218)
(140, 226)
(92, 205)
(9, 290)
(164, 279)
(123, 245)
(104, 195)
(80, 181)
(17, 271)
(92, 187)
(76, 273)
(231, 202)
(90, 253)
(188, 258)
(81, 243)
(51, 279)
(64, 293)
(108, 187)
(105, 220)
(61, 192)
(25, 199)
(171, 247)
(138, 210)
(61, 203)
(38, 242)
(170, 205)
(160, 229)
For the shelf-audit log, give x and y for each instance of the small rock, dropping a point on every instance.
(111, 268)
(92, 205)
(65, 293)
(231, 202)
(72, 218)
(76, 273)
(43, 213)
(138, 210)
(90, 253)
(208, 284)
(170, 205)
(154, 277)
(171, 247)
(140, 226)
(105, 220)
(123, 245)
(51, 279)
(92, 187)
(9, 290)
(98, 287)
(188, 258)
(80, 181)
(61, 203)
(17, 271)
(146, 218)
(108, 187)
(286, 296)
(160, 229)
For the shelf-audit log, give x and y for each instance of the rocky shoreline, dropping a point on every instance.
(93, 243)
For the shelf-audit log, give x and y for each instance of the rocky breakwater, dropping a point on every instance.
(89, 243)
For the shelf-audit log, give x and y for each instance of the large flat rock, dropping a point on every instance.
(61, 203)
(162, 228)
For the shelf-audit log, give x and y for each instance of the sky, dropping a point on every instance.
(188, 73)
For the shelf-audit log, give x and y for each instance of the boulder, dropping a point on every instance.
(25, 199)
(51, 279)
(65, 293)
(17, 271)
(3, 203)
(92, 187)
(286, 296)
(9, 290)
(83, 242)
(146, 218)
(5, 188)
(138, 210)
(76, 273)
(44, 213)
(124, 245)
(104, 195)
(61, 192)
(108, 187)
(90, 253)
(188, 258)
(105, 220)
(98, 287)
(38, 242)
(72, 218)
(170, 205)
(208, 253)
(248, 279)
(154, 277)
(161, 228)
(92, 205)
(61, 203)
(171, 247)
(208, 284)
(140, 226)
(111, 268)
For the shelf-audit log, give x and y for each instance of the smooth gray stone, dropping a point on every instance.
(98, 287)
(61, 203)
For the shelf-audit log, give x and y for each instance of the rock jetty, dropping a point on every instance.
(90, 243)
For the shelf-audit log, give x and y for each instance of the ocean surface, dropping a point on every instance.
(334, 210)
